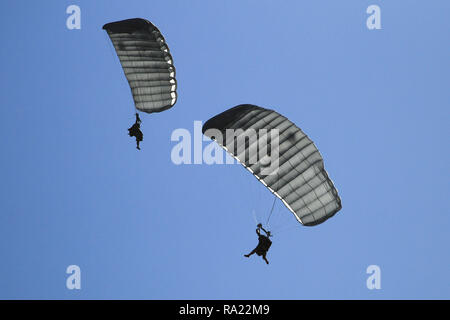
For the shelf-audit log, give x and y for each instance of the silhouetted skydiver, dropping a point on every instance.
(263, 244)
(135, 131)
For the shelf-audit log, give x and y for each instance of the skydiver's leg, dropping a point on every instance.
(248, 255)
(137, 144)
(265, 259)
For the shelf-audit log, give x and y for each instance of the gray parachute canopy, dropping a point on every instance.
(297, 175)
(146, 62)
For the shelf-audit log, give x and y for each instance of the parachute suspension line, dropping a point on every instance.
(254, 216)
(112, 50)
(274, 197)
(110, 46)
(250, 186)
(273, 206)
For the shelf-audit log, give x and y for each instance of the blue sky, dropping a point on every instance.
(76, 191)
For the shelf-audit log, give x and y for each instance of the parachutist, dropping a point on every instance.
(151, 76)
(263, 244)
(135, 131)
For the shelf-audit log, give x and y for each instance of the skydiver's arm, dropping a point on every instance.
(264, 230)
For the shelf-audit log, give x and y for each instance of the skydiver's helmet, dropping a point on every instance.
(259, 225)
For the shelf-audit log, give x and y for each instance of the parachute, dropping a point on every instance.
(146, 62)
(299, 178)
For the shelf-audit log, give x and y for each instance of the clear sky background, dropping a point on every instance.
(74, 190)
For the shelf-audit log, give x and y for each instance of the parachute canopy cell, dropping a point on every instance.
(299, 180)
(146, 62)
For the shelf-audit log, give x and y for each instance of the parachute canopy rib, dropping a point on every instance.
(300, 180)
(146, 62)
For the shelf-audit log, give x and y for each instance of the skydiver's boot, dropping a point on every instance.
(265, 259)
(248, 255)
